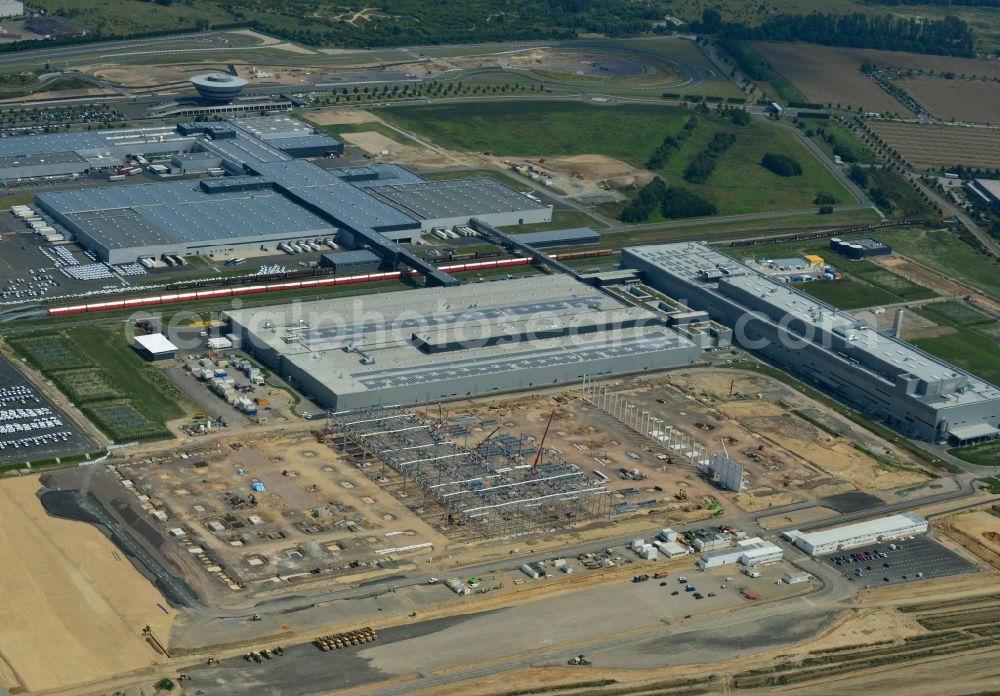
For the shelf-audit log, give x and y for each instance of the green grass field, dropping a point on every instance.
(843, 138)
(986, 454)
(971, 346)
(848, 293)
(630, 133)
(946, 253)
(954, 314)
(969, 350)
(884, 279)
(125, 396)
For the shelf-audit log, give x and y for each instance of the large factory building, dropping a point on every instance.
(457, 342)
(914, 392)
(269, 198)
(858, 534)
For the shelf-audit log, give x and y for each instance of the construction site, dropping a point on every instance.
(368, 492)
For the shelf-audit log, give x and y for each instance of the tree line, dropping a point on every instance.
(947, 36)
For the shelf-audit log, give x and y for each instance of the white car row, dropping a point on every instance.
(36, 440)
(41, 424)
(23, 413)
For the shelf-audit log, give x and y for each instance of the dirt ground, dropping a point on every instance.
(584, 176)
(926, 146)
(962, 100)
(874, 619)
(936, 282)
(317, 512)
(804, 516)
(375, 144)
(836, 457)
(978, 532)
(828, 75)
(914, 325)
(330, 116)
(56, 594)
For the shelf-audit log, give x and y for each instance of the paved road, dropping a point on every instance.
(984, 238)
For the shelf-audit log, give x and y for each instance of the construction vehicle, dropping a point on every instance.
(579, 660)
(659, 574)
(346, 640)
(640, 578)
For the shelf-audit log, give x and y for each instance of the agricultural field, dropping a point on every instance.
(547, 129)
(126, 397)
(832, 75)
(927, 146)
(828, 75)
(977, 101)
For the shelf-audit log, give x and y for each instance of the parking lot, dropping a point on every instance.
(914, 558)
(31, 427)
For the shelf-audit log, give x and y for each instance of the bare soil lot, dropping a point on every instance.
(332, 117)
(73, 606)
(962, 100)
(925, 146)
(829, 74)
(375, 144)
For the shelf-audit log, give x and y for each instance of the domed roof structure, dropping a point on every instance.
(218, 87)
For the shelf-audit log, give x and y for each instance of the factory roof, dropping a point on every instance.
(155, 344)
(884, 526)
(179, 211)
(577, 235)
(301, 141)
(991, 186)
(270, 127)
(36, 159)
(245, 151)
(357, 256)
(860, 242)
(431, 200)
(882, 356)
(386, 174)
(383, 328)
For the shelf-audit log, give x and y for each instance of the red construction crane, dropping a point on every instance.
(541, 444)
(487, 438)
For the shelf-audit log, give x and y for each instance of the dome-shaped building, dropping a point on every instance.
(218, 87)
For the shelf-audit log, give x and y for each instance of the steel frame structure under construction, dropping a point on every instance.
(493, 490)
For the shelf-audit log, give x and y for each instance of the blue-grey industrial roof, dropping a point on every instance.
(246, 151)
(303, 141)
(431, 200)
(349, 257)
(35, 159)
(578, 235)
(392, 174)
(179, 212)
(46, 143)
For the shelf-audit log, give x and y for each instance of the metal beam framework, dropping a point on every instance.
(488, 493)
